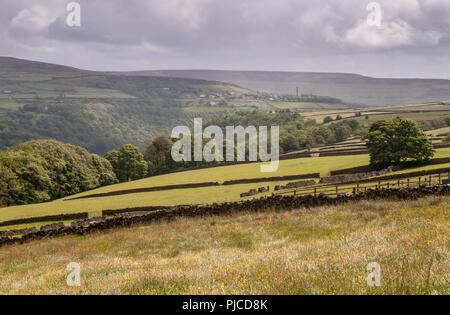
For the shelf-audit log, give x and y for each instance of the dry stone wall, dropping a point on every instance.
(344, 178)
(295, 185)
(253, 192)
(278, 202)
(49, 218)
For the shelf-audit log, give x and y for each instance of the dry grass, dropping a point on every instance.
(316, 251)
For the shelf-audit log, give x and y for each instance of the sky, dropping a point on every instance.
(386, 38)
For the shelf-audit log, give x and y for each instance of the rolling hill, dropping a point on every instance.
(101, 111)
(351, 88)
(96, 110)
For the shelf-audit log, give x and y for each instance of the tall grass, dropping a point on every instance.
(314, 251)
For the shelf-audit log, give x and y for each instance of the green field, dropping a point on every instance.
(310, 251)
(439, 131)
(194, 195)
(417, 112)
(429, 115)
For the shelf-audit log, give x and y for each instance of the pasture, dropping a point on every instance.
(310, 251)
(203, 195)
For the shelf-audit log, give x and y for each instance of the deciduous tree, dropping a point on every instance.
(391, 143)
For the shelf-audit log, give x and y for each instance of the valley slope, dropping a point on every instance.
(351, 88)
(96, 110)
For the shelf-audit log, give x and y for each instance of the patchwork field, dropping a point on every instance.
(203, 195)
(418, 112)
(439, 131)
(315, 251)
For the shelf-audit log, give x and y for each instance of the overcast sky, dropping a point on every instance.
(413, 39)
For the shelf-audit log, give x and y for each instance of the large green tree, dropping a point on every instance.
(157, 152)
(393, 142)
(128, 163)
(9, 186)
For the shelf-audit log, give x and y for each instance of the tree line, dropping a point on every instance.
(296, 133)
(43, 170)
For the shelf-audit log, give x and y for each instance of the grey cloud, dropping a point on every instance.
(239, 34)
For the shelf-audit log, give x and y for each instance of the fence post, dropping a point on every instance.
(408, 182)
(398, 183)
(430, 180)
(295, 192)
(354, 191)
(419, 181)
(439, 178)
(388, 185)
(315, 191)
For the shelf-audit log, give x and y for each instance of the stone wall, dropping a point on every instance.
(278, 202)
(253, 192)
(345, 178)
(49, 218)
(148, 189)
(271, 179)
(299, 184)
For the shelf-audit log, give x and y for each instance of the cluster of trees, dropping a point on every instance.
(295, 132)
(434, 123)
(397, 141)
(43, 170)
(97, 125)
(330, 119)
(129, 163)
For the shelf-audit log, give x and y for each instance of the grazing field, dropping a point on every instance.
(194, 195)
(416, 112)
(309, 251)
(441, 131)
(417, 116)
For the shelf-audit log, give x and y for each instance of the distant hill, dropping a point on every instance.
(97, 110)
(351, 88)
(104, 110)
(19, 69)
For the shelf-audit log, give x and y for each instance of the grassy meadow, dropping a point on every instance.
(311, 251)
(203, 195)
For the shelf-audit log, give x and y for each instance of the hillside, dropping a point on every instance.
(101, 111)
(27, 70)
(135, 194)
(96, 110)
(351, 88)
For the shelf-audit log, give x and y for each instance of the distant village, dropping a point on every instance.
(220, 98)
